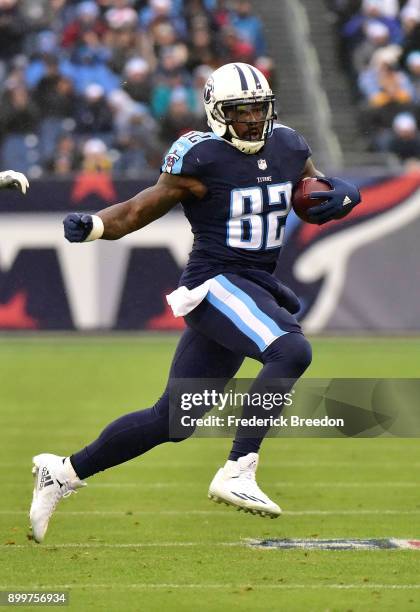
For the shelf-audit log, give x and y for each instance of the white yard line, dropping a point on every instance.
(305, 485)
(120, 545)
(203, 586)
(218, 512)
(190, 485)
(203, 465)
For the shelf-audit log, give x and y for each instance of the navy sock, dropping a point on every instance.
(285, 360)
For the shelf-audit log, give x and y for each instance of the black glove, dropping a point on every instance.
(77, 227)
(342, 198)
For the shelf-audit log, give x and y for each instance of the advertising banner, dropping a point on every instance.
(358, 274)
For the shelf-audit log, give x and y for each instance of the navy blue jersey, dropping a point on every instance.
(239, 224)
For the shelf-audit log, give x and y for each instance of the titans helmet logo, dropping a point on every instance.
(208, 90)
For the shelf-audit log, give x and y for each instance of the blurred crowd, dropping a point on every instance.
(379, 47)
(109, 84)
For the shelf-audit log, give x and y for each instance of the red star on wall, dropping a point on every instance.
(13, 313)
(98, 183)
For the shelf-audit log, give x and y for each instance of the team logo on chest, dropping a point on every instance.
(262, 164)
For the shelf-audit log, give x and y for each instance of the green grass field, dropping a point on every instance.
(145, 537)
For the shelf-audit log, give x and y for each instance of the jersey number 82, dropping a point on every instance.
(250, 226)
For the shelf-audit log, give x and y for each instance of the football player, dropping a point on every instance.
(235, 184)
(9, 179)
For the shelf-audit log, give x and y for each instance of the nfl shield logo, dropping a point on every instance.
(262, 164)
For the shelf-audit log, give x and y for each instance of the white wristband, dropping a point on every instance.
(97, 229)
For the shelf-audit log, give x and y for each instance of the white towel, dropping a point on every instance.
(183, 300)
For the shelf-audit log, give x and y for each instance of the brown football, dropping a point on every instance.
(300, 196)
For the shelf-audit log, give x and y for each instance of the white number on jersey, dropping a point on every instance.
(249, 226)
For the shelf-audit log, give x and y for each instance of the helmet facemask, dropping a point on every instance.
(258, 115)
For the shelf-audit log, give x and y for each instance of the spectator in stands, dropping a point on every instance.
(248, 26)
(388, 92)
(86, 67)
(137, 81)
(18, 113)
(197, 14)
(171, 74)
(410, 19)
(405, 139)
(41, 15)
(388, 9)
(391, 96)
(409, 5)
(159, 11)
(138, 142)
(384, 8)
(88, 19)
(96, 157)
(222, 13)
(121, 15)
(45, 53)
(12, 29)
(179, 118)
(202, 49)
(93, 115)
(413, 68)
(163, 35)
(372, 10)
(141, 127)
(150, 58)
(121, 105)
(376, 36)
(383, 83)
(57, 102)
(66, 158)
(17, 73)
(54, 93)
(234, 49)
(125, 40)
(91, 41)
(19, 120)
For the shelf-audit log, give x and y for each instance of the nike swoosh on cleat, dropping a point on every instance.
(60, 484)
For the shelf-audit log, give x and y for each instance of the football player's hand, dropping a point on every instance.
(338, 202)
(9, 179)
(77, 227)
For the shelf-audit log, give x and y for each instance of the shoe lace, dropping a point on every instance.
(68, 490)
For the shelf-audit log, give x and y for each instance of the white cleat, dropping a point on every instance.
(53, 480)
(235, 485)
